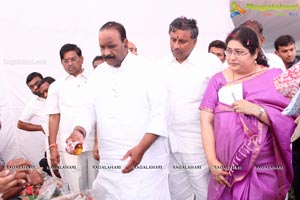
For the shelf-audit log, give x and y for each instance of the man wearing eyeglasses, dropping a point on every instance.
(64, 98)
(187, 75)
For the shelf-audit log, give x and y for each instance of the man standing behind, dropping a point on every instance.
(218, 48)
(285, 48)
(64, 97)
(34, 117)
(35, 107)
(97, 61)
(128, 106)
(187, 76)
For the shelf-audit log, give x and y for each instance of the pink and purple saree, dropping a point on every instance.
(257, 156)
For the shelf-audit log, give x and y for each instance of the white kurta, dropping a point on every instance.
(127, 103)
(65, 96)
(186, 83)
(34, 113)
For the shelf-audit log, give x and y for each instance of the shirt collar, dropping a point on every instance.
(191, 59)
(83, 75)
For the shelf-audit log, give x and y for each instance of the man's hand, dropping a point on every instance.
(54, 156)
(96, 153)
(136, 154)
(77, 135)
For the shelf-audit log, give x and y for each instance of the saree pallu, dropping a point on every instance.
(257, 156)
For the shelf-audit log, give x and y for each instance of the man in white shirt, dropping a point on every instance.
(34, 120)
(34, 117)
(34, 109)
(128, 106)
(64, 98)
(187, 76)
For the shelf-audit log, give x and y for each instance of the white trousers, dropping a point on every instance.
(189, 174)
(78, 171)
(140, 184)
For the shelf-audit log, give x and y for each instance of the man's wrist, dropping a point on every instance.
(80, 130)
(53, 145)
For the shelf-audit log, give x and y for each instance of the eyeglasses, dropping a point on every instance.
(73, 59)
(235, 52)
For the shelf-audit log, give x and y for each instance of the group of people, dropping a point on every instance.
(189, 127)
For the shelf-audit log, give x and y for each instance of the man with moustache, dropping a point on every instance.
(187, 75)
(128, 106)
(64, 98)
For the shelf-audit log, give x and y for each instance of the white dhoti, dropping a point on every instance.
(189, 174)
(89, 170)
(78, 171)
(147, 182)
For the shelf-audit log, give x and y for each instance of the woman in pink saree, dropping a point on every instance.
(245, 136)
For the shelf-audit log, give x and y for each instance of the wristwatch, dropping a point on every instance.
(261, 112)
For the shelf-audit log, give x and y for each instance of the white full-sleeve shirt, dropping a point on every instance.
(65, 96)
(186, 83)
(126, 103)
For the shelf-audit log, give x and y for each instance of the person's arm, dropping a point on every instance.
(208, 139)
(136, 154)
(53, 131)
(29, 126)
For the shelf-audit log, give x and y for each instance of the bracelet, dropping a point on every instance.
(80, 131)
(53, 145)
(261, 112)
